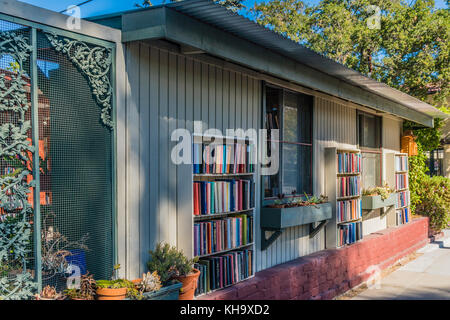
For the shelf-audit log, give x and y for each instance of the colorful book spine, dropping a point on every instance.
(348, 186)
(403, 216)
(348, 210)
(349, 233)
(349, 162)
(403, 199)
(223, 158)
(221, 196)
(223, 234)
(401, 181)
(221, 271)
(401, 163)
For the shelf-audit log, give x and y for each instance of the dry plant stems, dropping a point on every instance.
(87, 288)
(56, 247)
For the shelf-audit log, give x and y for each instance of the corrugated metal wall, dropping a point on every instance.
(165, 91)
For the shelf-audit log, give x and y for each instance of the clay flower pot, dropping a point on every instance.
(189, 285)
(111, 294)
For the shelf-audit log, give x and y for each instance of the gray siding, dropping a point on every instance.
(165, 91)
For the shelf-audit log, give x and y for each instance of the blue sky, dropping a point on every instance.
(97, 7)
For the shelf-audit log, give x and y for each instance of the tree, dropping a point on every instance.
(410, 50)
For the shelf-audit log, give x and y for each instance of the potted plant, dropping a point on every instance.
(86, 291)
(295, 212)
(50, 293)
(171, 264)
(377, 197)
(115, 289)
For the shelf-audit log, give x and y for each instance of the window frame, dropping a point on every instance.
(281, 141)
(363, 149)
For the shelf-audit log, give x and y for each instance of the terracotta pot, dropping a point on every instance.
(136, 281)
(189, 285)
(111, 294)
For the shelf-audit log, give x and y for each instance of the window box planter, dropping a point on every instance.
(170, 292)
(277, 219)
(280, 218)
(375, 202)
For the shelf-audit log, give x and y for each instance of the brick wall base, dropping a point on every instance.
(329, 273)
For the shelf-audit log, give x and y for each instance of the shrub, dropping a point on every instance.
(434, 194)
(416, 176)
(169, 262)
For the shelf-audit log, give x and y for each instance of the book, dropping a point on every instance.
(224, 270)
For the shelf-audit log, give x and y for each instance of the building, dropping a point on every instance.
(177, 65)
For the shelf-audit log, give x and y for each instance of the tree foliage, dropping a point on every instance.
(410, 50)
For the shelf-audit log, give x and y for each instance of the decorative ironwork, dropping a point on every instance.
(16, 281)
(95, 63)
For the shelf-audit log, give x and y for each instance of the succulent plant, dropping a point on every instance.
(169, 262)
(86, 291)
(150, 282)
(49, 293)
(384, 191)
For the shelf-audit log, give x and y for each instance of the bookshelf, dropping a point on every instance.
(402, 209)
(223, 211)
(343, 188)
(394, 170)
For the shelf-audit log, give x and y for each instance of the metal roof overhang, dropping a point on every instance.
(220, 32)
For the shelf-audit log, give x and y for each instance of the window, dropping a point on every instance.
(291, 113)
(435, 162)
(369, 140)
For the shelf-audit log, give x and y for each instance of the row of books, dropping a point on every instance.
(349, 162)
(223, 234)
(401, 163)
(223, 158)
(349, 186)
(349, 233)
(403, 198)
(348, 210)
(224, 270)
(401, 181)
(211, 197)
(402, 216)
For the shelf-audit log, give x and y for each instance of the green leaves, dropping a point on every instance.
(169, 262)
(410, 51)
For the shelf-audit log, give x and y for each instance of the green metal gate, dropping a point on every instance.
(57, 176)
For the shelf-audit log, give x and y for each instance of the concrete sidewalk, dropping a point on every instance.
(427, 277)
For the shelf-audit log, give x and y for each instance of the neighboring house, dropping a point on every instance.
(445, 142)
(438, 160)
(194, 62)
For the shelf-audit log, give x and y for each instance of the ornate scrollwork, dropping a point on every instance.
(95, 63)
(16, 282)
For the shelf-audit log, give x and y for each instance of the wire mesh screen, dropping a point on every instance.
(16, 212)
(76, 169)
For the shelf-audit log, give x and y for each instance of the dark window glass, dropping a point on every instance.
(369, 137)
(369, 131)
(295, 111)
